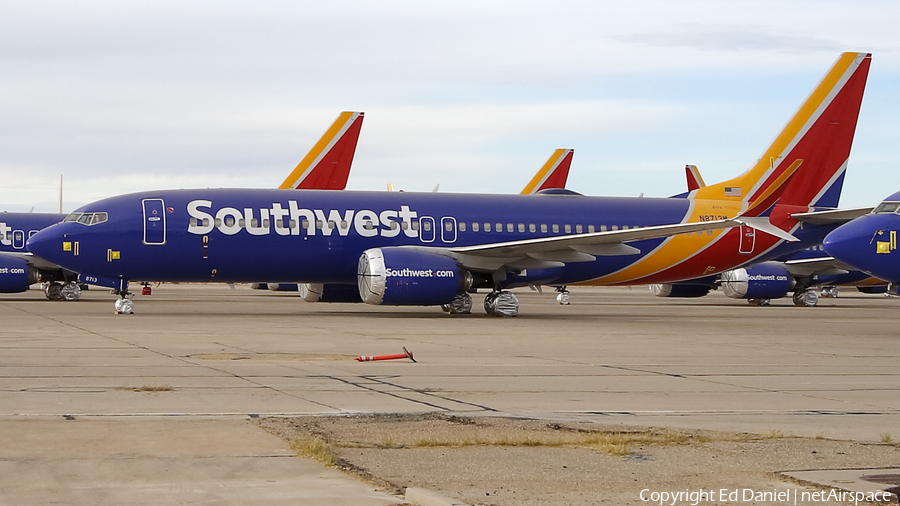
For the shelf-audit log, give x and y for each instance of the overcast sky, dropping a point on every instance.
(129, 96)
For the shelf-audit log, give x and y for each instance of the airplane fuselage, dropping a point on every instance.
(229, 235)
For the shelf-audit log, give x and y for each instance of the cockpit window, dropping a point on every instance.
(86, 218)
(887, 207)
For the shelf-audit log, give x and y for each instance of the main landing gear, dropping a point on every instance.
(461, 304)
(808, 298)
(501, 303)
(562, 297)
(68, 291)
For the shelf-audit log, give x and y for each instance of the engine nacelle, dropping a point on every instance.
(282, 287)
(679, 290)
(767, 280)
(16, 275)
(406, 277)
(317, 292)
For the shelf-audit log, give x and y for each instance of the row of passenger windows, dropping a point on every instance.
(426, 225)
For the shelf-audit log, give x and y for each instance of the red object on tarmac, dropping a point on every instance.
(406, 354)
(145, 290)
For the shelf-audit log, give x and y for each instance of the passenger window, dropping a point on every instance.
(241, 223)
(448, 226)
(555, 228)
(487, 227)
(521, 228)
(578, 229)
(218, 222)
(568, 228)
(544, 228)
(415, 225)
(603, 228)
(253, 223)
(591, 229)
(509, 227)
(426, 226)
(532, 228)
(462, 226)
(474, 226)
(499, 227)
(615, 227)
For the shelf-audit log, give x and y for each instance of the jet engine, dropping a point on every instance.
(317, 292)
(399, 276)
(679, 290)
(763, 281)
(16, 275)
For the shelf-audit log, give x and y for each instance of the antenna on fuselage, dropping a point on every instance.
(59, 204)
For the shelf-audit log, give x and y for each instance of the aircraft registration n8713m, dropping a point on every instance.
(436, 248)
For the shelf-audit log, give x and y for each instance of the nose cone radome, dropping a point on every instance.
(868, 243)
(48, 244)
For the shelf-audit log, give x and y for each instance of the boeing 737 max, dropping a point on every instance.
(428, 249)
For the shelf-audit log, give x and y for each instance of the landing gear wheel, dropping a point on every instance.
(461, 304)
(759, 302)
(124, 306)
(563, 297)
(53, 291)
(501, 304)
(830, 291)
(808, 298)
(70, 292)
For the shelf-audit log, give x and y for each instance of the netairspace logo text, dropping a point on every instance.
(748, 495)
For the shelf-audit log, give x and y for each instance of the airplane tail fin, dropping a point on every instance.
(694, 180)
(806, 162)
(553, 174)
(327, 165)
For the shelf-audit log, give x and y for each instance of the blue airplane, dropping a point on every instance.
(869, 242)
(434, 249)
(326, 166)
(797, 273)
(19, 268)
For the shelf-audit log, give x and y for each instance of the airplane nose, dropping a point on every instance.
(866, 243)
(46, 244)
(842, 243)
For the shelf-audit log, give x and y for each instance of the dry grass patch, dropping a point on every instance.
(315, 448)
(436, 431)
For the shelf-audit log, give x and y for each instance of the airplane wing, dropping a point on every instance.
(553, 174)
(548, 252)
(37, 262)
(327, 165)
(832, 216)
(823, 266)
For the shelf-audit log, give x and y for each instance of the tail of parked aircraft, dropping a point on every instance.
(805, 165)
(694, 180)
(327, 165)
(553, 174)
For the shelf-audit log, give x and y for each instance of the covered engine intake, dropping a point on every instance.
(679, 290)
(318, 292)
(406, 277)
(767, 280)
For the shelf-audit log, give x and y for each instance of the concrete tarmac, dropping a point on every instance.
(84, 391)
